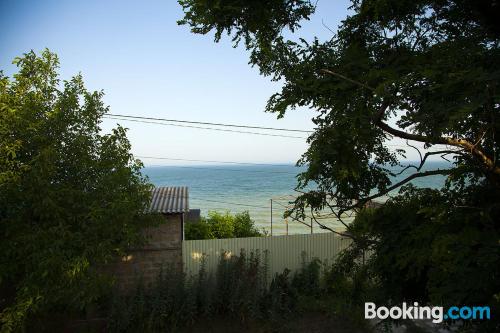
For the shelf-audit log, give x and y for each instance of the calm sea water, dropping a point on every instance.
(236, 188)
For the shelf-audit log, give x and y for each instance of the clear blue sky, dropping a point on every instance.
(148, 65)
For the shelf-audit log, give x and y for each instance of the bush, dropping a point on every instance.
(280, 301)
(307, 279)
(217, 225)
(436, 247)
(168, 305)
(239, 290)
(71, 198)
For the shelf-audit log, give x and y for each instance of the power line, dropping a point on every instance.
(274, 210)
(220, 209)
(225, 169)
(232, 203)
(205, 128)
(212, 124)
(139, 120)
(212, 161)
(223, 202)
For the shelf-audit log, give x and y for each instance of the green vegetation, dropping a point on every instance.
(428, 67)
(434, 247)
(425, 72)
(218, 225)
(71, 198)
(239, 293)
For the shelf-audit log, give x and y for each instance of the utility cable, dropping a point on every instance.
(208, 123)
(224, 169)
(212, 161)
(205, 128)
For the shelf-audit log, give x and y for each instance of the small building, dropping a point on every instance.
(164, 247)
(193, 216)
(173, 204)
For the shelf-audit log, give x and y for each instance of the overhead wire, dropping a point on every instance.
(213, 161)
(164, 122)
(225, 169)
(226, 202)
(155, 121)
(209, 123)
(207, 128)
(232, 203)
(182, 123)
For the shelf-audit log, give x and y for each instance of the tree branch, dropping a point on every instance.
(348, 79)
(322, 226)
(476, 151)
(396, 185)
(462, 143)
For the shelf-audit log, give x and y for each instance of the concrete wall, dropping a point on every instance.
(164, 249)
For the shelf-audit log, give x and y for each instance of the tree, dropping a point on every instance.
(423, 71)
(71, 198)
(433, 247)
(217, 225)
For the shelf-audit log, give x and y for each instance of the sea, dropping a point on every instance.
(254, 188)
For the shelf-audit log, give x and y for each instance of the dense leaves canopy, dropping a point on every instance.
(434, 247)
(423, 71)
(219, 225)
(71, 198)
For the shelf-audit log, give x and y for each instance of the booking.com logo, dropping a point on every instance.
(436, 313)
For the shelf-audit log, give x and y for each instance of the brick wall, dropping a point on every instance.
(164, 249)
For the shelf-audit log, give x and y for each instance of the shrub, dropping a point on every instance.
(307, 278)
(218, 225)
(168, 305)
(71, 197)
(436, 247)
(280, 300)
(240, 283)
(239, 290)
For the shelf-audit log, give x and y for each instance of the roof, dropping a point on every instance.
(170, 200)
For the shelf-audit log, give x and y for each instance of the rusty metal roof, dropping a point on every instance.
(170, 200)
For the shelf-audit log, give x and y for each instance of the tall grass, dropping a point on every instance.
(239, 290)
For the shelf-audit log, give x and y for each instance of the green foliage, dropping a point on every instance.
(281, 299)
(307, 279)
(71, 197)
(218, 225)
(197, 230)
(434, 247)
(170, 304)
(424, 71)
(428, 66)
(239, 284)
(349, 286)
(239, 290)
(257, 21)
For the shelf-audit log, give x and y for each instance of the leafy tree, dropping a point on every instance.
(217, 225)
(244, 226)
(71, 197)
(434, 246)
(424, 71)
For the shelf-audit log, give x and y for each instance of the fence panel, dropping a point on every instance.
(283, 251)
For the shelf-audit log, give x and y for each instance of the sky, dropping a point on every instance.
(149, 66)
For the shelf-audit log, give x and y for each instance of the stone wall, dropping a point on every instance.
(164, 249)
